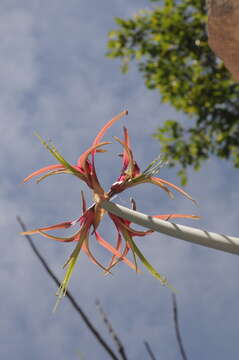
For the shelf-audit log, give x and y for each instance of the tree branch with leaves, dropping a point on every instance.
(170, 46)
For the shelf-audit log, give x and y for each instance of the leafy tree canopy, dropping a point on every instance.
(169, 43)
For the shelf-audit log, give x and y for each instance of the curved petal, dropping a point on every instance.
(126, 158)
(42, 170)
(134, 232)
(63, 225)
(175, 187)
(90, 173)
(142, 179)
(117, 248)
(61, 239)
(92, 258)
(110, 248)
(128, 238)
(128, 162)
(56, 172)
(83, 158)
(124, 254)
(108, 125)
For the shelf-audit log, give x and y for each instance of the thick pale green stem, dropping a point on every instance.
(212, 240)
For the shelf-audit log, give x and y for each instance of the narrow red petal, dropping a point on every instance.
(134, 232)
(63, 225)
(175, 187)
(157, 181)
(126, 154)
(151, 180)
(128, 162)
(61, 239)
(91, 256)
(42, 170)
(108, 125)
(110, 248)
(83, 158)
(118, 220)
(117, 248)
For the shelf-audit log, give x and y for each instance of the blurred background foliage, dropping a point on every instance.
(169, 44)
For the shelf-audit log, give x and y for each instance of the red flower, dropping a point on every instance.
(89, 221)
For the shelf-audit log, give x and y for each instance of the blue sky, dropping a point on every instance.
(55, 79)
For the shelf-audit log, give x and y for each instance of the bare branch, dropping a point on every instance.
(149, 350)
(176, 324)
(68, 295)
(115, 337)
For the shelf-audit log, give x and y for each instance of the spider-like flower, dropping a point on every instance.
(89, 221)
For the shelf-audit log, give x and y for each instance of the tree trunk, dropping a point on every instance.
(223, 32)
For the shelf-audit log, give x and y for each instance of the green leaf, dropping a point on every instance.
(150, 268)
(170, 46)
(71, 262)
(60, 158)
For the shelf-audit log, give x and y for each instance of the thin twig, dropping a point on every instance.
(68, 295)
(212, 240)
(150, 352)
(176, 324)
(115, 337)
